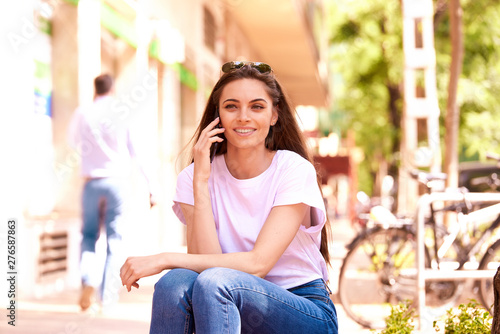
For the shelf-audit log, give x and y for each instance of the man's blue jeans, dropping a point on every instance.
(221, 300)
(103, 202)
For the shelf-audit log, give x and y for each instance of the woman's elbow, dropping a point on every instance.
(260, 266)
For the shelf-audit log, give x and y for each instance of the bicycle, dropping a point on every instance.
(382, 259)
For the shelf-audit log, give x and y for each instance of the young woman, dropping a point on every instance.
(255, 216)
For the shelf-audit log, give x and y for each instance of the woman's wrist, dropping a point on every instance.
(199, 183)
(164, 261)
(200, 193)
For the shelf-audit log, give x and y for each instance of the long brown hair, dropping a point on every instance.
(284, 135)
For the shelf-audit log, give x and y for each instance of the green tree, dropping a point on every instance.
(366, 50)
(367, 57)
(479, 85)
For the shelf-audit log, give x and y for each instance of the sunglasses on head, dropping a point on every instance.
(234, 65)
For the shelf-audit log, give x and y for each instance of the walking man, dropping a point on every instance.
(107, 149)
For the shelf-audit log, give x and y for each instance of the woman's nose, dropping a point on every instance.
(243, 115)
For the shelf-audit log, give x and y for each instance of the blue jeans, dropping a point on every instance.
(103, 203)
(221, 300)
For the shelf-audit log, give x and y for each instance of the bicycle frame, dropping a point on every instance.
(451, 237)
(477, 245)
(466, 253)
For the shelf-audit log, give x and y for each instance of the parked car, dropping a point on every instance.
(480, 176)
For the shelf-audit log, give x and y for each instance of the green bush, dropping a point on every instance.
(470, 318)
(400, 321)
(467, 319)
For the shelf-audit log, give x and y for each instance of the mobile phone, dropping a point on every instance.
(216, 144)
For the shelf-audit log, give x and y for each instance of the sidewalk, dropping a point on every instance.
(60, 313)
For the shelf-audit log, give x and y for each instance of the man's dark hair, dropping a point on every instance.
(103, 84)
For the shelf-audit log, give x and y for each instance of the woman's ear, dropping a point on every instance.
(274, 118)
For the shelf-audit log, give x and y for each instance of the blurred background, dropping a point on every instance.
(165, 57)
(373, 83)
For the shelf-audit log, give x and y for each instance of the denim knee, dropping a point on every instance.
(175, 285)
(172, 308)
(214, 280)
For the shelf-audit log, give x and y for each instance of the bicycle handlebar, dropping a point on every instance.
(425, 177)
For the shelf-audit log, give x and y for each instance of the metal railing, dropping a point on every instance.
(423, 205)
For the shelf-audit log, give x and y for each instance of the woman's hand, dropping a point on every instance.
(137, 267)
(201, 150)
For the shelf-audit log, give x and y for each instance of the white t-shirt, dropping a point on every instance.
(241, 207)
(104, 137)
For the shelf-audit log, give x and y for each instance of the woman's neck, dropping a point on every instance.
(246, 164)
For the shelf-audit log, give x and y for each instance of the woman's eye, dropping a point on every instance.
(257, 106)
(230, 106)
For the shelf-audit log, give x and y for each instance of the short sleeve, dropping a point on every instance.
(184, 191)
(299, 185)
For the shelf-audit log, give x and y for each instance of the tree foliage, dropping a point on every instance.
(367, 58)
(366, 50)
(479, 86)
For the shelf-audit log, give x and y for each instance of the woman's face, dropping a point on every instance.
(246, 112)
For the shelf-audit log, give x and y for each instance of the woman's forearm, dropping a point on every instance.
(243, 261)
(201, 232)
(136, 268)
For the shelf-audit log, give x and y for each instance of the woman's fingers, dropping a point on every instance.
(124, 274)
(213, 123)
(136, 268)
(209, 136)
(201, 150)
(127, 275)
(211, 130)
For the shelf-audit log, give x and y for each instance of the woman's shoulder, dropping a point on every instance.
(294, 163)
(289, 158)
(188, 171)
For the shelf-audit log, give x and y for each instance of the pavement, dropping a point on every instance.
(59, 313)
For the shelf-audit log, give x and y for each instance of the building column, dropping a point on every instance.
(76, 61)
(171, 235)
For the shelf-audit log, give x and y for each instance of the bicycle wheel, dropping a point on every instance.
(379, 271)
(491, 261)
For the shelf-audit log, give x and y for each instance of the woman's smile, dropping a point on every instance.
(244, 131)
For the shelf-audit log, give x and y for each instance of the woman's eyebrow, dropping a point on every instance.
(258, 100)
(230, 100)
(252, 101)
